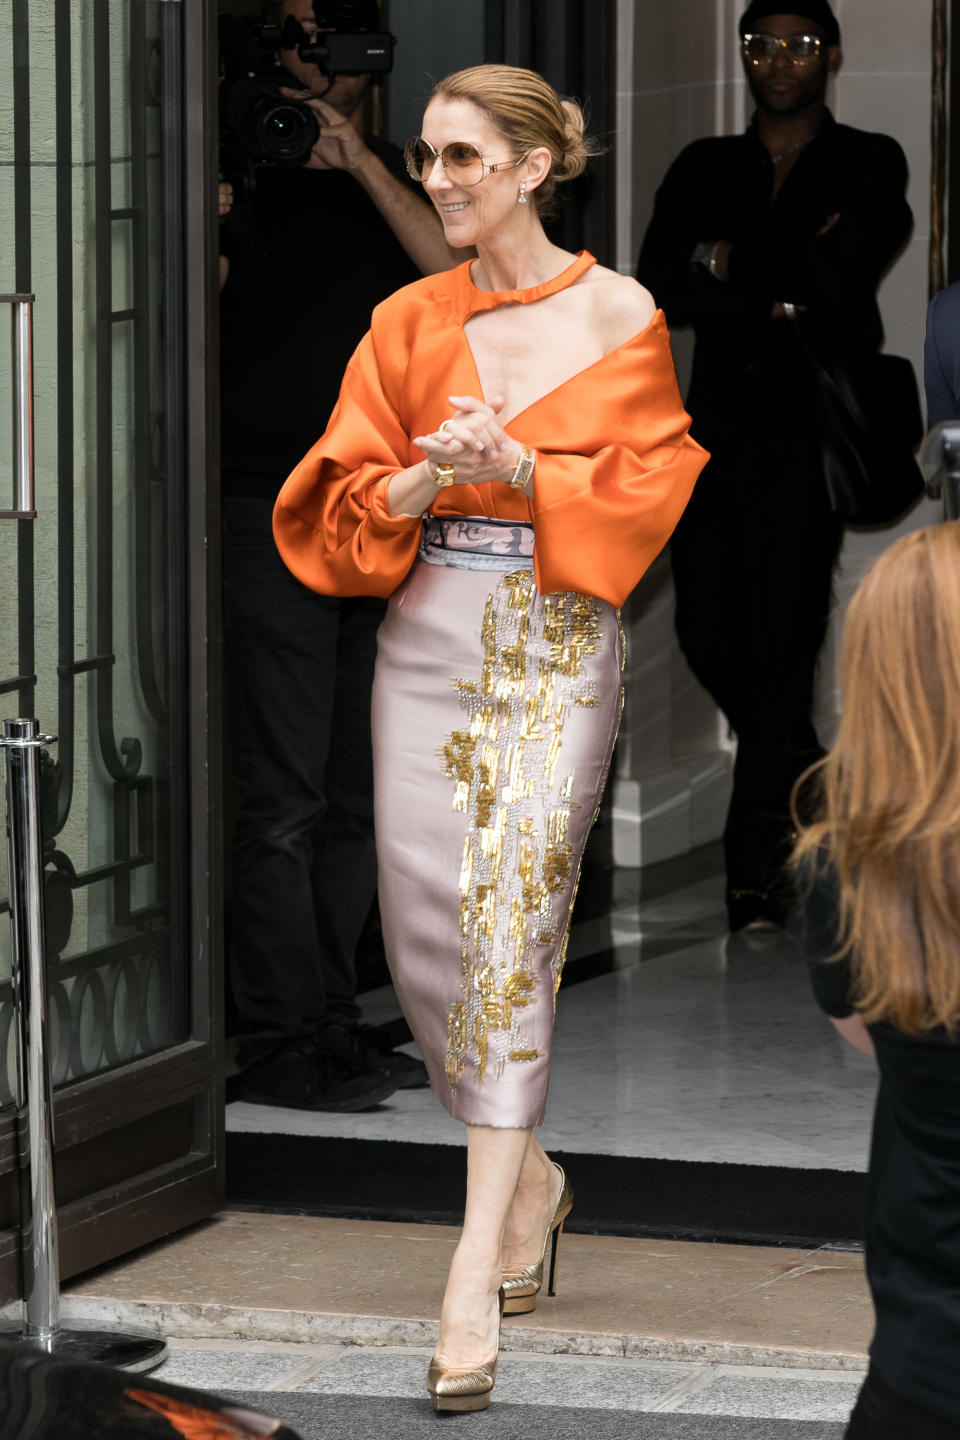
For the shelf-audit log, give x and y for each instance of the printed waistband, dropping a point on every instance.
(473, 542)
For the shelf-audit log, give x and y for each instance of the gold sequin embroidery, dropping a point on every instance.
(510, 753)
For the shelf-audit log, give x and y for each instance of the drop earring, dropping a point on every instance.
(522, 197)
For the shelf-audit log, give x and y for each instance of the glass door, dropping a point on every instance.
(95, 598)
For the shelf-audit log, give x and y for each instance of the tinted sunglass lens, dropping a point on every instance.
(419, 158)
(463, 164)
(760, 47)
(803, 47)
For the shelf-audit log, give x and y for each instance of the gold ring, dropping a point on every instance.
(442, 428)
(443, 476)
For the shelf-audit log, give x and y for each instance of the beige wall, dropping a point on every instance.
(680, 78)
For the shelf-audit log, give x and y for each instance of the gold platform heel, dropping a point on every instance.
(521, 1287)
(463, 1389)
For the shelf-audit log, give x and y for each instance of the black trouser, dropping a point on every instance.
(300, 670)
(881, 1414)
(752, 562)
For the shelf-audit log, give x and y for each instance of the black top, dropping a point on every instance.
(720, 189)
(912, 1225)
(310, 256)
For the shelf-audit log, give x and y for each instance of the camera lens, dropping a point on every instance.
(286, 133)
(271, 128)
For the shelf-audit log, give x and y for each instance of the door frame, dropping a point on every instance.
(140, 1150)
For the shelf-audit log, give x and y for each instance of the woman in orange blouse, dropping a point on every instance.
(508, 455)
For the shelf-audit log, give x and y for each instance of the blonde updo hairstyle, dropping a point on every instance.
(531, 115)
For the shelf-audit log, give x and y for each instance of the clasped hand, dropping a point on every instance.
(473, 442)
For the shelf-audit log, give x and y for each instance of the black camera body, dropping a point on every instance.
(258, 124)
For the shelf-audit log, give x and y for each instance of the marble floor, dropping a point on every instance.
(675, 1040)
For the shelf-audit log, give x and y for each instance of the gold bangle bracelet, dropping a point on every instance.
(443, 476)
(518, 480)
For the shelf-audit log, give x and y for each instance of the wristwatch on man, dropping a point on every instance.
(705, 255)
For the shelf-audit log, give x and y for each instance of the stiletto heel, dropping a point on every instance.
(554, 1252)
(458, 1389)
(521, 1287)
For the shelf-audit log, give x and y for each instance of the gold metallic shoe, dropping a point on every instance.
(521, 1287)
(469, 1389)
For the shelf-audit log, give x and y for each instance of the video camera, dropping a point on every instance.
(258, 124)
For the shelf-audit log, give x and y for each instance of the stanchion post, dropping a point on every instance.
(22, 741)
(129, 1347)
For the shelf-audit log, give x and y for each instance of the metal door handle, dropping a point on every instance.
(23, 493)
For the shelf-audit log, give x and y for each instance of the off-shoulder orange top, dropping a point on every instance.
(615, 463)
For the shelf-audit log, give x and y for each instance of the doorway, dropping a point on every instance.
(105, 613)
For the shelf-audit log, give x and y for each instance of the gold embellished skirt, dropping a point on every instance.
(495, 710)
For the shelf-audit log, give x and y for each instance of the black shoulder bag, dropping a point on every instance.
(866, 409)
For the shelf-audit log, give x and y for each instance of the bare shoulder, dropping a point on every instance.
(622, 307)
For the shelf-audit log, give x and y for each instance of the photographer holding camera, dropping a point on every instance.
(330, 228)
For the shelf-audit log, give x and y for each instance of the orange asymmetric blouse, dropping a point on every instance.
(615, 463)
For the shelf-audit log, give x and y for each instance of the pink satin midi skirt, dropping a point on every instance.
(495, 710)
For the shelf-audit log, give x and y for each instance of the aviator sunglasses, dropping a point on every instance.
(462, 162)
(761, 49)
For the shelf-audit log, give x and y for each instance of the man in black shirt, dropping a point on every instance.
(755, 237)
(303, 264)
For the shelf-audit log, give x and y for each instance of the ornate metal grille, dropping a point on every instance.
(91, 168)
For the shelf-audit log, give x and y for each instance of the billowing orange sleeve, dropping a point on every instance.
(615, 463)
(603, 509)
(330, 521)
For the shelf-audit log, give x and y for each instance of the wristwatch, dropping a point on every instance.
(705, 255)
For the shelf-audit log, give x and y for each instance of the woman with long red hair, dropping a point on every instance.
(880, 887)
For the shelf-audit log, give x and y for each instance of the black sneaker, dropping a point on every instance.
(300, 1077)
(406, 1071)
(366, 1047)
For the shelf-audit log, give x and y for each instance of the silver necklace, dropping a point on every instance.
(792, 149)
